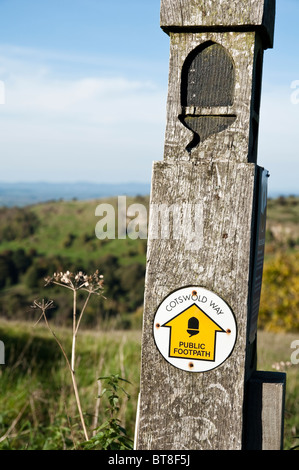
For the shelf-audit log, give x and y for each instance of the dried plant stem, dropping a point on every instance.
(79, 404)
(14, 423)
(74, 330)
(92, 284)
(98, 400)
(70, 366)
(76, 324)
(82, 311)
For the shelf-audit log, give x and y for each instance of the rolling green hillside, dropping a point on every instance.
(38, 240)
(66, 229)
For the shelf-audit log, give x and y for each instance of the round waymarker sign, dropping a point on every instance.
(194, 329)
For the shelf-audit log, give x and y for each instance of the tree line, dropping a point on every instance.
(22, 277)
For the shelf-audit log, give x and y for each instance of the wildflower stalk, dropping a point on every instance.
(91, 284)
(74, 329)
(79, 404)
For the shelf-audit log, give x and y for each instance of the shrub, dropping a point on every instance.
(280, 294)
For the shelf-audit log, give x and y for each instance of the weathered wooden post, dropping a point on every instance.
(206, 238)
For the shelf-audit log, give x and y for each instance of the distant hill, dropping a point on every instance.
(24, 194)
(21, 194)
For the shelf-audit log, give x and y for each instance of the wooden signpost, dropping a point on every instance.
(199, 384)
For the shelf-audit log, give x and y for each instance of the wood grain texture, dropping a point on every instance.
(203, 14)
(237, 141)
(181, 410)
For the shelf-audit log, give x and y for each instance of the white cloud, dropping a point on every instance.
(36, 82)
(116, 123)
(116, 97)
(50, 119)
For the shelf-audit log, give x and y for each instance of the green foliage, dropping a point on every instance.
(17, 224)
(8, 272)
(295, 447)
(59, 241)
(36, 387)
(280, 293)
(12, 265)
(33, 380)
(34, 392)
(51, 238)
(111, 435)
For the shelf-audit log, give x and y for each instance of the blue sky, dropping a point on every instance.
(86, 87)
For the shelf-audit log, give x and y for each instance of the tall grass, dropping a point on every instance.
(36, 390)
(37, 407)
(274, 350)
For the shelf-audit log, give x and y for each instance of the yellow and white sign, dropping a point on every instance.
(194, 329)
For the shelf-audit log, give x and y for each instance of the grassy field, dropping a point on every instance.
(37, 408)
(36, 389)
